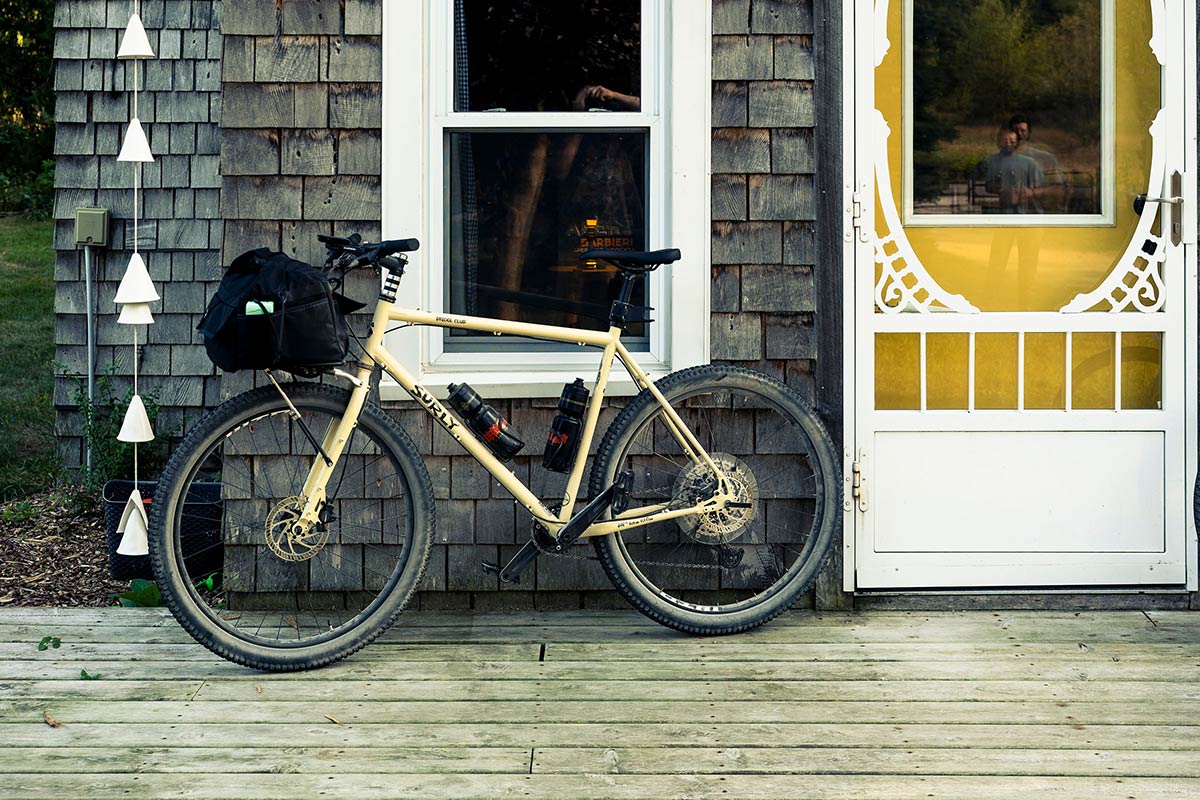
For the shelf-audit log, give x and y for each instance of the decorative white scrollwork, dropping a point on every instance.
(903, 283)
(1136, 281)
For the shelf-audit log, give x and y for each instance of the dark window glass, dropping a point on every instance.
(533, 55)
(1006, 107)
(522, 206)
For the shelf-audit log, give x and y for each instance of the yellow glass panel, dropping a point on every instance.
(947, 370)
(1141, 370)
(996, 370)
(1045, 376)
(1032, 267)
(1093, 356)
(897, 371)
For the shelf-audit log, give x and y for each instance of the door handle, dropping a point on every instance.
(1139, 202)
(1174, 222)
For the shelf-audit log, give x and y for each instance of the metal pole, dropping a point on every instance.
(91, 339)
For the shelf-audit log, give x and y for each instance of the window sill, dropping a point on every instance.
(515, 385)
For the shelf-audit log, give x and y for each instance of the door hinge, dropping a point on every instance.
(856, 217)
(859, 490)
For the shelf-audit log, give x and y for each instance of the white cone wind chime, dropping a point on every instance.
(135, 293)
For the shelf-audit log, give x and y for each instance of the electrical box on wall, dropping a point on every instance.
(91, 226)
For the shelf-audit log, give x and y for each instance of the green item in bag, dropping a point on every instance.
(256, 308)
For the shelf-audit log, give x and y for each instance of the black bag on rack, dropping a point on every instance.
(274, 312)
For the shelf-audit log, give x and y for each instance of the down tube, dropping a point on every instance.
(464, 437)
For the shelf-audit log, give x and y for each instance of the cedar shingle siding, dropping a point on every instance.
(297, 95)
(181, 226)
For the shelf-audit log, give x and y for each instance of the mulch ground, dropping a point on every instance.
(53, 554)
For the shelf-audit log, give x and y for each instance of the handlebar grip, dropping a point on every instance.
(398, 246)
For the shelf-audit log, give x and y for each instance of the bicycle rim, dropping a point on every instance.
(229, 535)
(743, 557)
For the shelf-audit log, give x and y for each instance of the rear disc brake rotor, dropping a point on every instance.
(724, 524)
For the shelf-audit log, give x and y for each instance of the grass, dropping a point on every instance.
(28, 460)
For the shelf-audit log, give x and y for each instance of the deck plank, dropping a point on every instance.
(606, 711)
(865, 761)
(1166, 670)
(369, 786)
(323, 733)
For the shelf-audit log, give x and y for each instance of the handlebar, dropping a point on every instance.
(347, 253)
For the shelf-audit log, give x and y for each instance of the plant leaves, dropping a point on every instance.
(51, 721)
(48, 642)
(83, 675)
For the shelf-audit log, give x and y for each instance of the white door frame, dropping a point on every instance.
(860, 42)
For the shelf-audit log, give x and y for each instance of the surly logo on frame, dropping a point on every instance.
(438, 411)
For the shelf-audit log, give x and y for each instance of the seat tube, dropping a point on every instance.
(589, 426)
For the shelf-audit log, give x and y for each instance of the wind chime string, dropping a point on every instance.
(137, 170)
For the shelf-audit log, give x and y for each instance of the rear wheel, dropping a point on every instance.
(231, 566)
(738, 567)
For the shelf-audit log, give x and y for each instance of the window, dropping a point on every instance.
(544, 130)
(1011, 112)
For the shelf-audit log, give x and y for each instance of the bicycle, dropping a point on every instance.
(714, 496)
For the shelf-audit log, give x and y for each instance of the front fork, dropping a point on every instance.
(331, 448)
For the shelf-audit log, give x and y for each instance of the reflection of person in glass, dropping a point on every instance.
(591, 187)
(1015, 178)
(1053, 196)
(1018, 181)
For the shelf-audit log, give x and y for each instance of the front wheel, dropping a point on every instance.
(735, 568)
(232, 566)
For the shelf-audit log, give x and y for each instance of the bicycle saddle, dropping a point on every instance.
(635, 260)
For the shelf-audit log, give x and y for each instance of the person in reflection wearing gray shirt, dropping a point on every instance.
(1053, 197)
(1016, 179)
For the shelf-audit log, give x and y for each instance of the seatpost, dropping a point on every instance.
(627, 279)
(620, 307)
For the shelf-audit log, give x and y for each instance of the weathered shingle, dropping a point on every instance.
(355, 105)
(249, 152)
(307, 152)
(359, 152)
(782, 16)
(782, 197)
(262, 198)
(249, 18)
(781, 104)
(255, 105)
(741, 150)
(355, 59)
(341, 198)
(741, 58)
(364, 17)
(287, 59)
(746, 243)
(311, 17)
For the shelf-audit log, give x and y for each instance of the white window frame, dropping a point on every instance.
(676, 107)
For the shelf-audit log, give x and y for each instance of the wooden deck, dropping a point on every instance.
(604, 704)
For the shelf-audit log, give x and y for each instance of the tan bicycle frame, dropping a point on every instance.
(385, 312)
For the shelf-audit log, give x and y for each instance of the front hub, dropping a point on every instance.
(287, 534)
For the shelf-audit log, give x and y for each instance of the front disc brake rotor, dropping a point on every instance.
(283, 541)
(721, 525)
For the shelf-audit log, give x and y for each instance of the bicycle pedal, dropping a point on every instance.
(621, 489)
